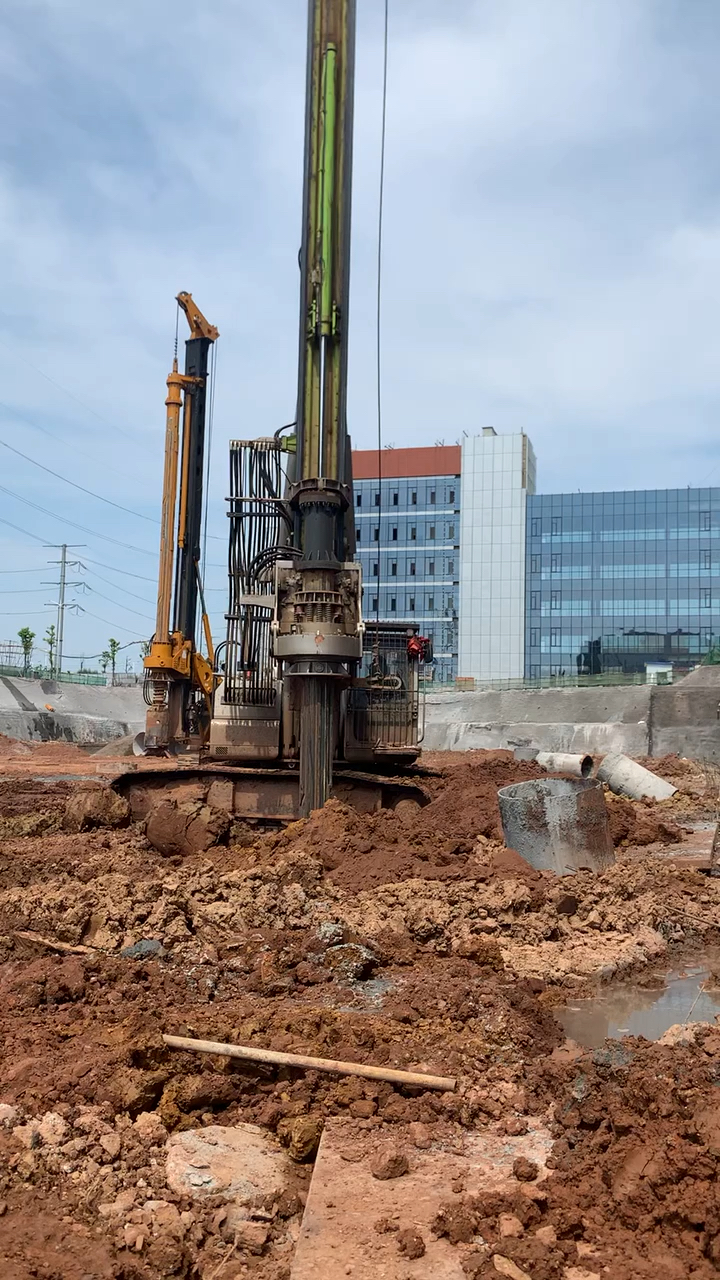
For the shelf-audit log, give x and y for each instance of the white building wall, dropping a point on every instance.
(498, 472)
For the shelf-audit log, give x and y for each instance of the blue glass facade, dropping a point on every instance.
(616, 580)
(408, 533)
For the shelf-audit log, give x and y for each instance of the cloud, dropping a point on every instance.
(551, 262)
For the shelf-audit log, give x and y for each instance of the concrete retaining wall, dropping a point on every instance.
(49, 711)
(635, 719)
(575, 720)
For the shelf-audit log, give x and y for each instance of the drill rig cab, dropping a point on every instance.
(301, 685)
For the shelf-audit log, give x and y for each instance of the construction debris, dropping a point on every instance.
(560, 762)
(412, 1079)
(558, 824)
(628, 778)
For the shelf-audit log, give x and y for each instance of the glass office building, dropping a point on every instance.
(408, 542)
(617, 580)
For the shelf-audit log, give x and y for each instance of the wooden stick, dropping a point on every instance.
(312, 1064)
(53, 943)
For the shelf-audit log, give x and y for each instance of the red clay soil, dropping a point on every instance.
(635, 1187)
(40, 752)
(252, 946)
(433, 843)
(439, 841)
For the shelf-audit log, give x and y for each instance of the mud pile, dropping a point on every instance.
(411, 939)
(39, 752)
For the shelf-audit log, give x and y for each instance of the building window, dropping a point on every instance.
(411, 603)
(535, 525)
(412, 568)
(393, 604)
(451, 495)
(395, 499)
(432, 497)
(450, 602)
(705, 598)
(704, 519)
(556, 525)
(377, 499)
(534, 599)
(451, 531)
(535, 673)
(358, 500)
(431, 602)
(534, 636)
(431, 568)
(413, 498)
(375, 604)
(358, 536)
(555, 564)
(394, 535)
(555, 598)
(413, 534)
(393, 569)
(376, 533)
(705, 562)
(555, 638)
(375, 570)
(535, 564)
(451, 566)
(431, 531)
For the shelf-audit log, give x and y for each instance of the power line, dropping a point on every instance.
(90, 657)
(20, 613)
(117, 585)
(71, 394)
(64, 520)
(52, 435)
(109, 600)
(127, 572)
(20, 591)
(26, 532)
(81, 487)
(116, 625)
(41, 570)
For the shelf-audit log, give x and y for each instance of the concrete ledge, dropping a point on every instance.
(591, 737)
(48, 726)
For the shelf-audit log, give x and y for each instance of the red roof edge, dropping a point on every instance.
(399, 464)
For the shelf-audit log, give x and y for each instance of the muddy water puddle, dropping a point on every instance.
(685, 995)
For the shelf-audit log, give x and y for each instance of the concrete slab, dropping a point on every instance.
(238, 1164)
(338, 1236)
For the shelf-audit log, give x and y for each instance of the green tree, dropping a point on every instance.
(27, 638)
(113, 649)
(51, 642)
(145, 646)
(104, 661)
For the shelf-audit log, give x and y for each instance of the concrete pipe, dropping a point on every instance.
(627, 778)
(558, 824)
(559, 762)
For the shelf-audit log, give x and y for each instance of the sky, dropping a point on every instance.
(551, 258)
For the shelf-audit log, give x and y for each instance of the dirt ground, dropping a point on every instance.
(411, 939)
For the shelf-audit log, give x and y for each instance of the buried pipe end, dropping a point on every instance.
(577, 766)
(558, 824)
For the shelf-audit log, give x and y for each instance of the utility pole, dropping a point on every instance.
(59, 604)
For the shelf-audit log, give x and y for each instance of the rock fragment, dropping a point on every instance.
(389, 1164)
(410, 1243)
(237, 1163)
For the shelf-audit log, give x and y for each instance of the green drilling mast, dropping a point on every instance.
(299, 686)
